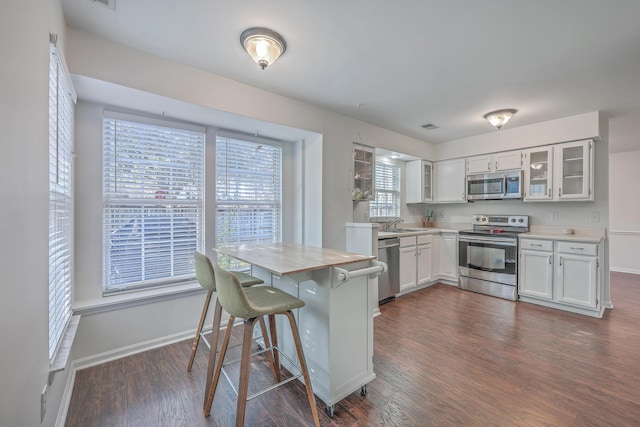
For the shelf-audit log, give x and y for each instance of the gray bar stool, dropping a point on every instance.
(251, 305)
(206, 279)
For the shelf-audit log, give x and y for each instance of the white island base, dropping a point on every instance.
(336, 325)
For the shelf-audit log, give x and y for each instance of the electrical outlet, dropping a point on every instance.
(441, 215)
(594, 217)
(555, 216)
(43, 402)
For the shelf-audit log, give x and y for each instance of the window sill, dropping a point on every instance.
(132, 299)
(62, 355)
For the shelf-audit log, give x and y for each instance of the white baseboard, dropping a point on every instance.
(66, 397)
(624, 270)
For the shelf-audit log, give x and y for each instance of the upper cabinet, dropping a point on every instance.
(450, 181)
(507, 160)
(364, 172)
(419, 181)
(559, 172)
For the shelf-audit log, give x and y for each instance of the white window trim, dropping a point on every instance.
(161, 287)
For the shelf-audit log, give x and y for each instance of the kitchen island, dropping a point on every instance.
(336, 323)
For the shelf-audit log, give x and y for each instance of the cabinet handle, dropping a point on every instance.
(496, 165)
(560, 260)
(533, 244)
(488, 166)
(462, 196)
(559, 192)
(577, 249)
(550, 259)
(549, 192)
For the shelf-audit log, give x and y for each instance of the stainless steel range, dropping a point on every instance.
(488, 261)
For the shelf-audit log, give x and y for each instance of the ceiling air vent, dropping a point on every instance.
(430, 126)
(111, 4)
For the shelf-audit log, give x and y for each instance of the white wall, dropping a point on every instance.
(625, 211)
(24, 116)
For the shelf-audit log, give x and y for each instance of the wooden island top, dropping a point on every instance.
(290, 258)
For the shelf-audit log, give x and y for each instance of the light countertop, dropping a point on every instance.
(290, 258)
(413, 232)
(580, 234)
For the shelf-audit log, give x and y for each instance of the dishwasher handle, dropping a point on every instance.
(391, 245)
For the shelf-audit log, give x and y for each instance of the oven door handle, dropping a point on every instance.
(503, 241)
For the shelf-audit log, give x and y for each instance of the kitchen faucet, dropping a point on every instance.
(391, 225)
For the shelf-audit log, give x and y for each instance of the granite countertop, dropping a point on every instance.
(289, 258)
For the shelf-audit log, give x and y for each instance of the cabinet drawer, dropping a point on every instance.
(578, 248)
(407, 241)
(424, 238)
(536, 245)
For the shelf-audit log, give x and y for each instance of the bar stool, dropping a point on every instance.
(251, 305)
(206, 278)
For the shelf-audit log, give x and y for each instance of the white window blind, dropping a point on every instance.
(248, 194)
(153, 195)
(387, 201)
(61, 115)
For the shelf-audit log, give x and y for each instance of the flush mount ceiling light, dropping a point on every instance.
(263, 45)
(500, 118)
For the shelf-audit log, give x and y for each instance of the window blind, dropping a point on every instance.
(387, 200)
(153, 195)
(61, 116)
(248, 194)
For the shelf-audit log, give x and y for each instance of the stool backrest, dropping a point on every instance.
(231, 296)
(204, 272)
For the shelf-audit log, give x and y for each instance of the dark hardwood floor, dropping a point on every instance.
(442, 357)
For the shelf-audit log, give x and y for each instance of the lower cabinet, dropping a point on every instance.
(415, 261)
(561, 274)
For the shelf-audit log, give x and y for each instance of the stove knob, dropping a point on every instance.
(521, 220)
(484, 219)
(513, 220)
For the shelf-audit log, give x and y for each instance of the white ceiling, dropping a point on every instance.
(400, 65)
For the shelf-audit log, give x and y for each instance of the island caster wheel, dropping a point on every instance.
(363, 390)
(331, 410)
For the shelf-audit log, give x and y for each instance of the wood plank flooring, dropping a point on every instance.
(443, 357)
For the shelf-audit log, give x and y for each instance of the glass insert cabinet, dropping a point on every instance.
(364, 171)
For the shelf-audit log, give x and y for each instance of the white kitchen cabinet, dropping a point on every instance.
(535, 275)
(419, 181)
(450, 181)
(424, 259)
(364, 172)
(559, 172)
(573, 176)
(577, 276)
(538, 173)
(449, 257)
(561, 274)
(415, 261)
(496, 162)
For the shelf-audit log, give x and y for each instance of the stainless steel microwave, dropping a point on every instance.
(495, 186)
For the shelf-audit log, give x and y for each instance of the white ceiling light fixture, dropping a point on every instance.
(500, 118)
(263, 45)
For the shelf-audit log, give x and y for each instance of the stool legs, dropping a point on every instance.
(196, 340)
(303, 367)
(215, 331)
(245, 365)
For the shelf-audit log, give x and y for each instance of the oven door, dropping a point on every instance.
(489, 258)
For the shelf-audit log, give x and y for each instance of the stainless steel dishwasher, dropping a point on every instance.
(389, 281)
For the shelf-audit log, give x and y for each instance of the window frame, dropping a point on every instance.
(281, 213)
(395, 193)
(161, 198)
(62, 99)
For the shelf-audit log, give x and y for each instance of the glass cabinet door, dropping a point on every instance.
(573, 170)
(426, 181)
(363, 173)
(538, 174)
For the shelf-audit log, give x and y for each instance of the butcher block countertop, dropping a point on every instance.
(290, 258)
